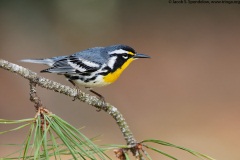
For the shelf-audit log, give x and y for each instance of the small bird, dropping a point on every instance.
(93, 67)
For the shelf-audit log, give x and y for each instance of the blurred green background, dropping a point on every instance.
(188, 93)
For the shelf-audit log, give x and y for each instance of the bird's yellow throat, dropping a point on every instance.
(111, 77)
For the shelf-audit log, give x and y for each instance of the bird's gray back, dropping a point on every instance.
(97, 54)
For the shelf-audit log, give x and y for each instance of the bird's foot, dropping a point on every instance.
(77, 95)
(101, 98)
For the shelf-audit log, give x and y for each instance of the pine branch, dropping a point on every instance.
(72, 92)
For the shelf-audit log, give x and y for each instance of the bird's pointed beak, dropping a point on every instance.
(139, 55)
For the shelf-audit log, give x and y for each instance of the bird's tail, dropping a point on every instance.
(47, 61)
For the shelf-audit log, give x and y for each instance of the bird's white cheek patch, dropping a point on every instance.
(112, 61)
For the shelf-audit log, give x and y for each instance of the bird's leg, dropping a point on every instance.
(99, 95)
(90, 89)
(78, 90)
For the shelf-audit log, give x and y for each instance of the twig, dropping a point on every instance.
(72, 92)
(33, 96)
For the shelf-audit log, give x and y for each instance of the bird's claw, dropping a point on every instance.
(102, 105)
(77, 95)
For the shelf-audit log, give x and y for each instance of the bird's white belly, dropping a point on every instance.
(98, 82)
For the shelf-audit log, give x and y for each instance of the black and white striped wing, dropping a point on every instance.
(73, 65)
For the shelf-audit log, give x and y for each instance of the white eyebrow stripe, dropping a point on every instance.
(119, 51)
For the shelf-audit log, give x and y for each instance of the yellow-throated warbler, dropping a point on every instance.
(94, 67)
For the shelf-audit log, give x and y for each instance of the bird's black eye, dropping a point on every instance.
(125, 56)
